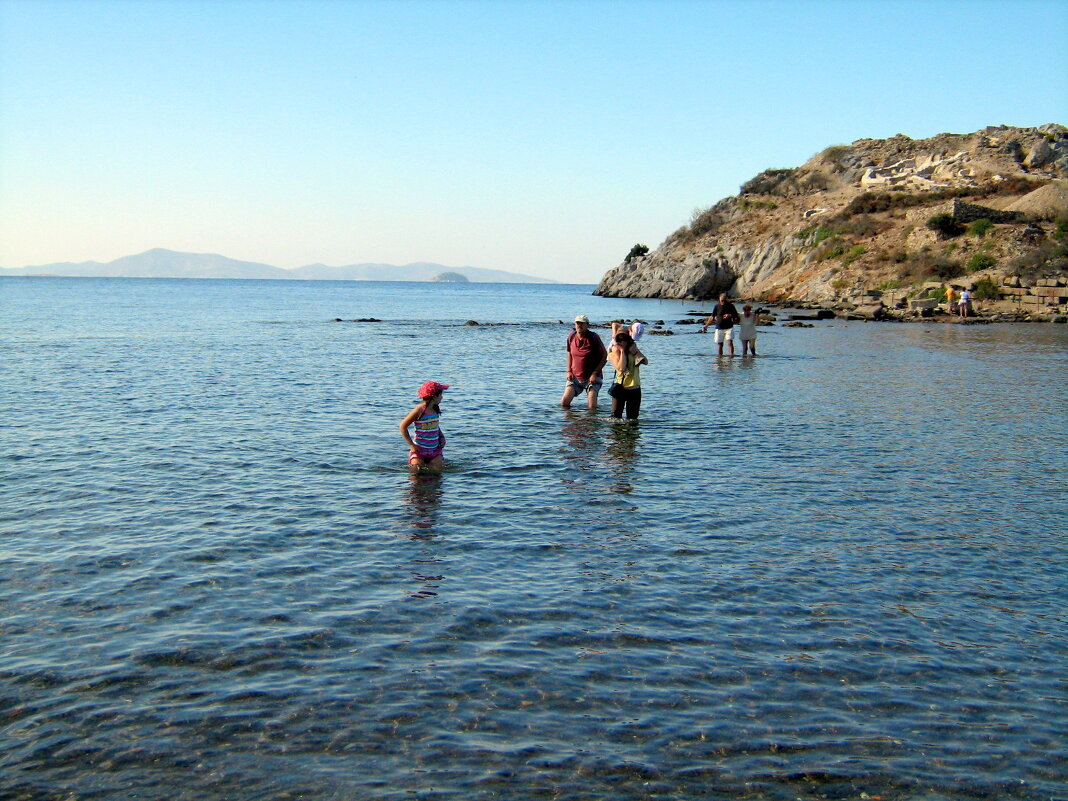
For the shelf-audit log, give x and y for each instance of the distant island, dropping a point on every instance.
(450, 278)
(160, 263)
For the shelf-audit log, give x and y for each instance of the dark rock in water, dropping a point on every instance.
(471, 322)
(666, 333)
(338, 320)
(797, 324)
(367, 320)
(687, 322)
(825, 314)
(1060, 319)
(803, 317)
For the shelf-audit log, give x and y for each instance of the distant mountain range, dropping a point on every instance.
(161, 263)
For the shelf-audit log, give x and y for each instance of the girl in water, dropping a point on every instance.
(626, 391)
(429, 440)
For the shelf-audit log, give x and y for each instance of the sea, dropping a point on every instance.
(838, 570)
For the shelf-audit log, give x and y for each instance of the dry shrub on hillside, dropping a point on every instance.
(926, 266)
(876, 202)
(1048, 258)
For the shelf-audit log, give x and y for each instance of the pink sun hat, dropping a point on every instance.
(431, 388)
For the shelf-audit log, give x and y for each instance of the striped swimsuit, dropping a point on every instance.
(428, 435)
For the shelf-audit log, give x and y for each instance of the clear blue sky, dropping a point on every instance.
(537, 137)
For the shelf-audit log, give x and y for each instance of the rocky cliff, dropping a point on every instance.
(874, 217)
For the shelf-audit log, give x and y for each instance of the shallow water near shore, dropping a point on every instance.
(838, 570)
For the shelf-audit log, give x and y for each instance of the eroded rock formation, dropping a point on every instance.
(852, 222)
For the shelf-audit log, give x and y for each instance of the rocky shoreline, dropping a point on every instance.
(874, 224)
(794, 314)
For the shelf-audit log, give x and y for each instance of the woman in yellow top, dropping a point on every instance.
(626, 391)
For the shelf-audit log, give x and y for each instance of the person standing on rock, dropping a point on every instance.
(586, 355)
(964, 304)
(951, 297)
(724, 315)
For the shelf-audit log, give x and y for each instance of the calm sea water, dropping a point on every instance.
(836, 571)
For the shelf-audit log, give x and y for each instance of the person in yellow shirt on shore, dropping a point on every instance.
(951, 299)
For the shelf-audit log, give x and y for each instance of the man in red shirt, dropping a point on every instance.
(586, 355)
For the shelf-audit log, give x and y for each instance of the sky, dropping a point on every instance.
(544, 138)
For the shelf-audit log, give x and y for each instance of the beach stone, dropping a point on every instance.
(875, 311)
(472, 322)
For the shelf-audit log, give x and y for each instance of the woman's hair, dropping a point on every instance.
(625, 342)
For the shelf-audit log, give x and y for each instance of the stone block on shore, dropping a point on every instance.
(874, 311)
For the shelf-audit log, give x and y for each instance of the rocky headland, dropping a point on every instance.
(878, 228)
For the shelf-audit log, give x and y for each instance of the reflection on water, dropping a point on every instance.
(582, 442)
(595, 445)
(622, 453)
(423, 503)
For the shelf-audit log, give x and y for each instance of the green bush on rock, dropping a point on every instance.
(986, 289)
(980, 261)
(637, 252)
(945, 225)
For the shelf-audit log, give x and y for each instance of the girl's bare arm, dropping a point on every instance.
(406, 423)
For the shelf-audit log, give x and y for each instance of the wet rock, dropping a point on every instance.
(797, 324)
(665, 333)
(471, 322)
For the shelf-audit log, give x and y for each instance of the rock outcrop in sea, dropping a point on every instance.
(877, 221)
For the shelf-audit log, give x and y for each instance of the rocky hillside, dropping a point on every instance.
(875, 221)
